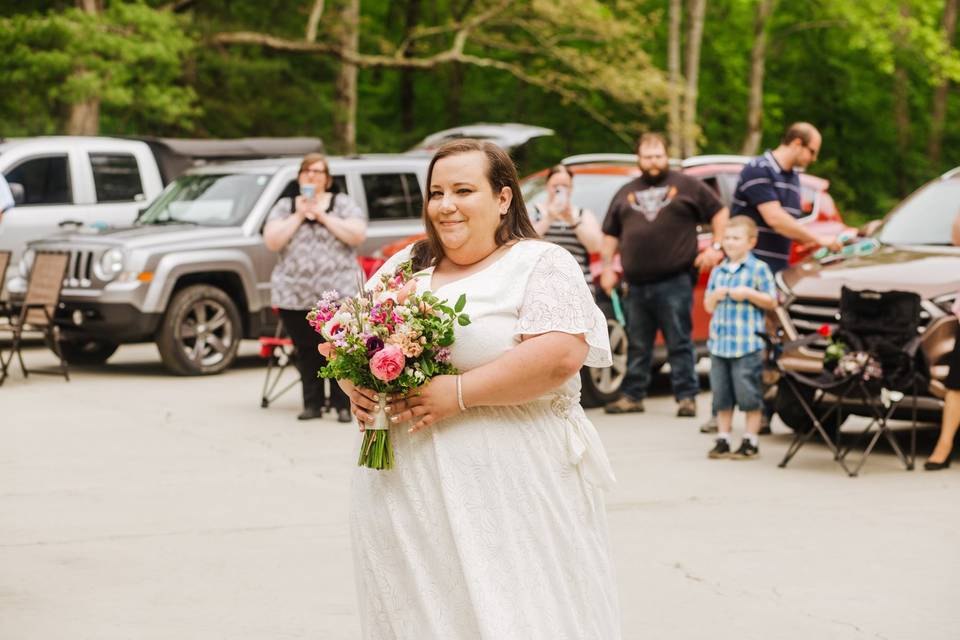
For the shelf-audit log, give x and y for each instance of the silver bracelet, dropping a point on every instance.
(463, 407)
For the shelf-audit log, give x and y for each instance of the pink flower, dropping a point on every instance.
(325, 349)
(387, 364)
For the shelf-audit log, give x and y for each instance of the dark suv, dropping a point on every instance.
(912, 252)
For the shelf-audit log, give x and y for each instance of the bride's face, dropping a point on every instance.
(462, 206)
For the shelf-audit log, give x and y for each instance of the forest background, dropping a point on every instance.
(720, 76)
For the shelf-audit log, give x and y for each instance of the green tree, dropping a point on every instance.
(124, 63)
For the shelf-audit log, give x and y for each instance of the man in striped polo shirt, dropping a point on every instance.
(768, 192)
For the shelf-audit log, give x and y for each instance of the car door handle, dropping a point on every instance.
(64, 223)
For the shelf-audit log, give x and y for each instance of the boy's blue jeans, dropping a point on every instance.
(666, 305)
(737, 382)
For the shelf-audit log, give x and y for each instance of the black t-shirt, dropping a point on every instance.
(657, 224)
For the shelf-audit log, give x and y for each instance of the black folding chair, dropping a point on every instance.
(881, 369)
(4, 263)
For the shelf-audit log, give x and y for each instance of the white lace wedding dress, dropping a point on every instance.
(491, 525)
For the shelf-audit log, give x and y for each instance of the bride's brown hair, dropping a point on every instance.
(501, 172)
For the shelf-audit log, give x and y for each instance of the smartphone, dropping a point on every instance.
(308, 191)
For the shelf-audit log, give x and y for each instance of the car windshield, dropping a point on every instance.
(926, 217)
(590, 191)
(214, 200)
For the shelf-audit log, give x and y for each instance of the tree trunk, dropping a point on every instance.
(939, 115)
(758, 61)
(84, 117)
(345, 103)
(901, 111)
(696, 9)
(407, 95)
(674, 125)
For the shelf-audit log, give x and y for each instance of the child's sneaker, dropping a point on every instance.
(720, 450)
(746, 451)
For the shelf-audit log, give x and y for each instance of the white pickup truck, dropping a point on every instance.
(72, 181)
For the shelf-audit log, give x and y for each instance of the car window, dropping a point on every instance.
(45, 180)
(392, 195)
(116, 177)
(206, 199)
(808, 196)
(926, 217)
(590, 191)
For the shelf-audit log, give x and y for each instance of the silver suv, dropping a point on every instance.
(193, 274)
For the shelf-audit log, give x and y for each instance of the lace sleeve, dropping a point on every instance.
(557, 299)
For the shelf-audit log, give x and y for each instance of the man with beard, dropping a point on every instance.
(768, 191)
(653, 221)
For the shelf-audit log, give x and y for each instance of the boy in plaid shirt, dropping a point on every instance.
(739, 292)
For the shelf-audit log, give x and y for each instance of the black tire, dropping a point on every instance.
(87, 351)
(602, 385)
(200, 332)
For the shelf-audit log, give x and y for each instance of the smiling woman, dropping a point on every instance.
(316, 234)
(492, 522)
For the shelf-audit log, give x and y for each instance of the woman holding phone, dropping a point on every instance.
(316, 233)
(561, 223)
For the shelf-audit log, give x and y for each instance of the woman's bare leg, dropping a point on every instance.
(948, 427)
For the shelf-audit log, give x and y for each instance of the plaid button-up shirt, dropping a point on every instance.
(734, 323)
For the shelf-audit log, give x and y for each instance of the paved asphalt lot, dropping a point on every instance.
(136, 505)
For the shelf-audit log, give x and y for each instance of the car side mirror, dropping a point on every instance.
(18, 193)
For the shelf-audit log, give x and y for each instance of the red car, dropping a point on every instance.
(600, 176)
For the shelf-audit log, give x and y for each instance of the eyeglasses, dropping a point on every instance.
(813, 152)
(314, 172)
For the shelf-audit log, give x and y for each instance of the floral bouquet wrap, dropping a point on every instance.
(391, 340)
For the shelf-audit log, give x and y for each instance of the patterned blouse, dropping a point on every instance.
(314, 260)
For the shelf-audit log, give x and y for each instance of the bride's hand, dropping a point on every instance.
(428, 404)
(363, 402)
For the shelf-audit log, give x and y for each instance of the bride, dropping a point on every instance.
(491, 525)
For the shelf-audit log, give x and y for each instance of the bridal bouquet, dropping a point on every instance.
(391, 340)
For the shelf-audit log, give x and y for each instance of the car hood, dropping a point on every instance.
(140, 236)
(927, 271)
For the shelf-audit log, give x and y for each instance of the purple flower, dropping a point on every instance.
(374, 344)
(442, 354)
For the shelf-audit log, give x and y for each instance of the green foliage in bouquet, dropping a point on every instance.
(391, 340)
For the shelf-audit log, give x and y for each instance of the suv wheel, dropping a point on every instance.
(602, 385)
(200, 332)
(87, 351)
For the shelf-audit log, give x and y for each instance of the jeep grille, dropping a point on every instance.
(79, 270)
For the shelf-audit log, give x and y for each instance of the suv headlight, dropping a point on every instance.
(111, 264)
(26, 263)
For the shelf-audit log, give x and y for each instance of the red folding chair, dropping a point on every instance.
(279, 352)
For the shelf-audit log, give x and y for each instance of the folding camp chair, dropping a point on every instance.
(279, 352)
(880, 369)
(4, 263)
(36, 313)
